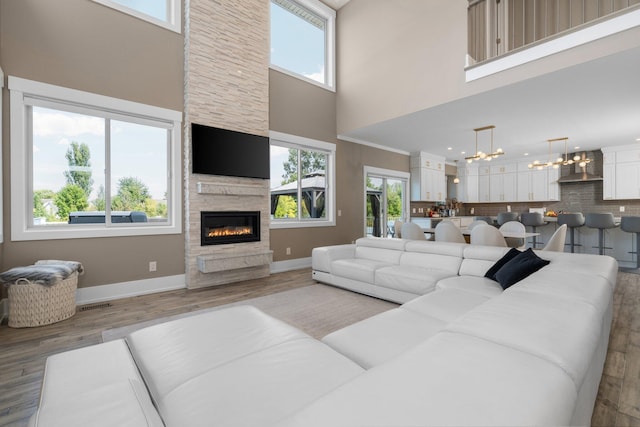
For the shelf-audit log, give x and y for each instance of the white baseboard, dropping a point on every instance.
(294, 264)
(94, 294)
(129, 289)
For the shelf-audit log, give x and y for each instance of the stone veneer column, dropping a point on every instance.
(226, 86)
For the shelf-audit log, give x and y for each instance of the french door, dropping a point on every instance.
(385, 199)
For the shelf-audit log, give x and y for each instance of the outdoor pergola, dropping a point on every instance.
(313, 187)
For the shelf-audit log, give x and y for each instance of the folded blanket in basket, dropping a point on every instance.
(41, 274)
(73, 265)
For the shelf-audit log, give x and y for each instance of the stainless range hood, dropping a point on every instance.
(575, 173)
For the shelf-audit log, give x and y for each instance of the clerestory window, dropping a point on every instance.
(165, 13)
(86, 165)
(303, 40)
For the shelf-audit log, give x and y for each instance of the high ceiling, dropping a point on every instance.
(595, 104)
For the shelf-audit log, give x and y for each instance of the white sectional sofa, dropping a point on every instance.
(459, 351)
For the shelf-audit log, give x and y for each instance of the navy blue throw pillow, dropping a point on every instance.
(491, 273)
(519, 267)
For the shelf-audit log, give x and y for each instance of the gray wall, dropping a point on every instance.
(304, 109)
(84, 45)
(399, 57)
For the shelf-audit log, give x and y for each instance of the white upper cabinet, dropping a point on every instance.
(428, 181)
(468, 187)
(502, 182)
(537, 184)
(621, 172)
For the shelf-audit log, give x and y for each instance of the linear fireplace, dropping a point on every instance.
(221, 228)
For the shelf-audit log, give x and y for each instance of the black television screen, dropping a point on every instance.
(216, 151)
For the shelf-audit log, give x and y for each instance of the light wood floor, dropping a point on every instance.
(23, 351)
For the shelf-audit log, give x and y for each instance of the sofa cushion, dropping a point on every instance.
(591, 289)
(449, 380)
(260, 388)
(563, 331)
(390, 256)
(381, 242)
(474, 284)
(445, 304)
(380, 338)
(74, 373)
(491, 273)
(124, 403)
(360, 269)
(235, 366)
(596, 265)
(478, 259)
(322, 257)
(416, 280)
(519, 267)
(431, 261)
(171, 353)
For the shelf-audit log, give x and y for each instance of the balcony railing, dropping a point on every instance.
(497, 27)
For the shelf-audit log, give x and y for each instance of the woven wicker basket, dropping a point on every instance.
(31, 304)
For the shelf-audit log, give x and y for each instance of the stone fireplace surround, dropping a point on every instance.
(219, 264)
(226, 86)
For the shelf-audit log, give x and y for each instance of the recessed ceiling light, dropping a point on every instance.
(526, 154)
(577, 147)
(449, 148)
(463, 152)
(638, 139)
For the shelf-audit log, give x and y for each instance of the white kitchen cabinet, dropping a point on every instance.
(608, 181)
(621, 172)
(533, 184)
(484, 184)
(627, 181)
(468, 187)
(502, 183)
(428, 181)
(553, 188)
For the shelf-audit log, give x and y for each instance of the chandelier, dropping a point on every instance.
(560, 161)
(480, 155)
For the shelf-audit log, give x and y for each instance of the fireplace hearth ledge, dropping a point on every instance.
(223, 262)
(231, 189)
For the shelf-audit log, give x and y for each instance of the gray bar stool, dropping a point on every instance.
(506, 217)
(486, 219)
(573, 220)
(533, 220)
(601, 221)
(631, 224)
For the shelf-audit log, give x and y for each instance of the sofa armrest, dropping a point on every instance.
(322, 257)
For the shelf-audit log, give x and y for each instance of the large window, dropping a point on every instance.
(165, 13)
(302, 181)
(302, 40)
(86, 165)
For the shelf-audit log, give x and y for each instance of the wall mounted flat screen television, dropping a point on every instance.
(224, 152)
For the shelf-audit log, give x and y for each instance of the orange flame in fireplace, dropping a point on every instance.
(229, 231)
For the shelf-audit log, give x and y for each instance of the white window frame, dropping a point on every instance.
(174, 13)
(387, 174)
(21, 91)
(292, 141)
(329, 15)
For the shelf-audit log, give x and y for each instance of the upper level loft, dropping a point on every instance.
(506, 33)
